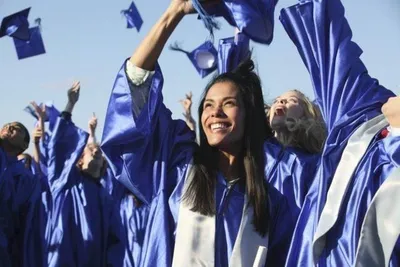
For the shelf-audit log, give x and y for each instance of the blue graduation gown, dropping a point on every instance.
(85, 226)
(134, 216)
(291, 171)
(348, 97)
(24, 220)
(149, 154)
(6, 189)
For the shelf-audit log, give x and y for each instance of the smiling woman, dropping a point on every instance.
(209, 204)
(232, 134)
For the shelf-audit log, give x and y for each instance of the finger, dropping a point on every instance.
(74, 84)
(94, 115)
(33, 103)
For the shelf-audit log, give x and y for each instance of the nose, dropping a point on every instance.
(218, 112)
(282, 101)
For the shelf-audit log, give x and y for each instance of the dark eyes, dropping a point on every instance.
(293, 100)
(206, 105)
(227, 103)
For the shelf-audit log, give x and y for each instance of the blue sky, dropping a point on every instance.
(88, 41)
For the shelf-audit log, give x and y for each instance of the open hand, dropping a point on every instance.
(73, 93)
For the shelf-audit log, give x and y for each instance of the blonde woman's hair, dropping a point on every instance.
(309, 132)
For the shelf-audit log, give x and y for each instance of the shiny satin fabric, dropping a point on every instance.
(291, 171)
(255, 18)
(232, 51)
(23, 223)
(149, 154)
(6, 189)
(356, 147)
(348, 96)
(134, 217)
(380, 229)
(85, 226)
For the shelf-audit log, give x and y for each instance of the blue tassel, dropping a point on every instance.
(209, 21)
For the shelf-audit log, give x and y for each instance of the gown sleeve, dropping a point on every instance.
(65, 146)
(140, 138)
(341, 82)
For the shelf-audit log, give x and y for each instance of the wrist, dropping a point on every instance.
(69, 107)
(175, 11)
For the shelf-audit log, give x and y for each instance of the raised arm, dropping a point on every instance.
(148, 52)
(66, 144)
(92, 129)
(38, 133)
(341, 82)
(139, 132)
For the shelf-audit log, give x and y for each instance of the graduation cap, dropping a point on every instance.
(133, 18)
(16, 25)
(33, 46)
(255, 18)
(232, 51)
(203, 58)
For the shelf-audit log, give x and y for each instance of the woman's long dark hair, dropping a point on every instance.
(200, 192)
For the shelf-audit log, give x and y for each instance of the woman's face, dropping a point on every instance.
(223, 117)
(92, 160)
(286, 106)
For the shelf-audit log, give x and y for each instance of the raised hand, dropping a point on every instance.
(73, 93)
(186, 6)
(40, 111)
(37, 133)
(92, 124)
(391, 110)
(187, 105)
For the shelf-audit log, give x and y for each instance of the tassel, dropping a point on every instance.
(177, 47)
(38, 22)
(209, 21)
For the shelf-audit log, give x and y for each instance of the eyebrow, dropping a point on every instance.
(224, 99)
(292, 96)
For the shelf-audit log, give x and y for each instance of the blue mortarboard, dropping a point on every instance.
(232, 51)
(16, 25)
(203, 58)
(32, 47)
(255, 18)
(133, 18)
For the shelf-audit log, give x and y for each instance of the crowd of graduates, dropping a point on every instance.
(296, 182)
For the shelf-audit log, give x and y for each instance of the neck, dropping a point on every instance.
(8, 148)
(93, 172)
(284, 136)
(229, 163)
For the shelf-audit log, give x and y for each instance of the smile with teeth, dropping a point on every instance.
(219, 126)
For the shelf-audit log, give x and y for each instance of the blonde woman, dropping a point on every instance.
(293, 152)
